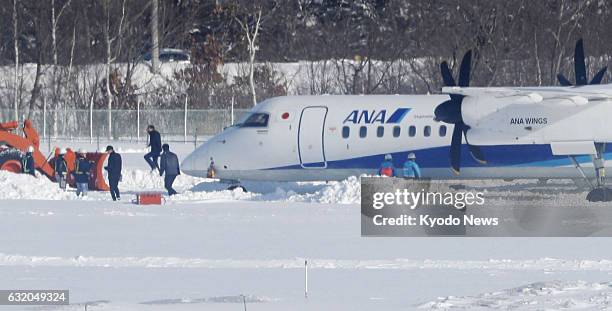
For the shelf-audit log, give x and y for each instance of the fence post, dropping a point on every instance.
(232, 113)
(138, 121)
(185, 121)
(91, 119)
(44, 116)
(49, 144)
(306, 279)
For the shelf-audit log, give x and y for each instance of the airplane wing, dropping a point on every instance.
(576, 95)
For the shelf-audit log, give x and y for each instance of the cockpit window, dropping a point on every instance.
(256, 120)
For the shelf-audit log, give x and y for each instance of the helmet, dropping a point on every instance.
(31, 149)
(388, 157)
(63, 151)
(82, 151)
(411, 156)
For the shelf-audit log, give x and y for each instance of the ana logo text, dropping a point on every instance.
(540, 121)
(376, 116)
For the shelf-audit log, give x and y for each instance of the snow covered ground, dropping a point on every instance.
(213, 249)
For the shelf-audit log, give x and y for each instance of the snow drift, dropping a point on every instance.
(557, 295)
(25, 187)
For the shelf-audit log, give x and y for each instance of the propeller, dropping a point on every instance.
(580, 69)
(450, 112)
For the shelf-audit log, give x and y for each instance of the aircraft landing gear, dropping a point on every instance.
(599, 192)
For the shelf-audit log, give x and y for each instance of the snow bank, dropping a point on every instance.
(22, 186)
(142, 180)
(194, 189)
(121, 150)
(19, 186)
(215, 299)
(543, 264)
(566, 295)
(343, 192)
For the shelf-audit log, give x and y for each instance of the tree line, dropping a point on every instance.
(88, 54)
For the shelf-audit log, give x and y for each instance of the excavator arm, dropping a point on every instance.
(9, 138)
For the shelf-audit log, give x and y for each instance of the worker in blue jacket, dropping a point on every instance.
(156, 148)
(114, 172)
(82, 168)
(27, 162)
(411, 169)
(386, 167)
(169, 164)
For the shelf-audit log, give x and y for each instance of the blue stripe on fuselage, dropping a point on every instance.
(438, 157)
(398, 115)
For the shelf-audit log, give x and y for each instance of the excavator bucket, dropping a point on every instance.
(97, 180)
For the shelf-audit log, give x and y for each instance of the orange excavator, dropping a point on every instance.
(14, 145)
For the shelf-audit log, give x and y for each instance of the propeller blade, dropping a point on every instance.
(449, 111)
(455, 148)
(563, 80)
(464, 70)
(599, 76)
(447, 75)
(477, 154)
(474, 150)
(579, 65)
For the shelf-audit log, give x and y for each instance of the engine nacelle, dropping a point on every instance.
(476, 108)
(519, 120)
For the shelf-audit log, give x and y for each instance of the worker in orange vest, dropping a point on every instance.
(386, 167)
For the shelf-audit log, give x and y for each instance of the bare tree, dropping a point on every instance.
(110, 59)
(569, 17)
(251, 31)
(154, 37)
(109, 98)
(54, 21)
(16, 75)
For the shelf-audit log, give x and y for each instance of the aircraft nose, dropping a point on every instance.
(197, 162)
(189, 163)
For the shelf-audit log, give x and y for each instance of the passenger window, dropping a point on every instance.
(442, 130)
(346, 131)
(256, 120)
(412, 131)
(427, 131)
(396, 131)
(363, 132)
(380, 131)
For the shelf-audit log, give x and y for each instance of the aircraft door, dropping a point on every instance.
(310, 137)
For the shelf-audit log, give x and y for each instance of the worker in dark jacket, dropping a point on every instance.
(169, 164)
(82, 168)
(27, 162)
(156, 147)
(61, 168)
(114, 172)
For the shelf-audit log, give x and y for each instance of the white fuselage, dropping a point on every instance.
(333, 137)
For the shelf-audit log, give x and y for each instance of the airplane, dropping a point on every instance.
(508, 133)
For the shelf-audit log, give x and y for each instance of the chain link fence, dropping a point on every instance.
(130, 125)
